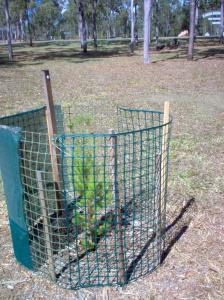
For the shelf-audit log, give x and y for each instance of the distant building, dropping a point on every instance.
(211, 23)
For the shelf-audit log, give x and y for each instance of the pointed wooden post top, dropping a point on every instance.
(49, 102)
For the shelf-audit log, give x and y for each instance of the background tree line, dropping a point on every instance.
(28, 20)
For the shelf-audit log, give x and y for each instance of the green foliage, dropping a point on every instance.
(79, 122)
(87, 244)
(54, 19)
(2, 15)
(46, 18)
(69, 23)
(92, 193)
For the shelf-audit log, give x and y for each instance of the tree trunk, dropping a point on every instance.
(192, 30)
(222, 22)
(18, 33)
(21, 22)
(30, 33)
(20, 30)
(157, 23)
(147, 27)
(196, 18)
(87, 31)
(82, 27)
(168, 23)
(8, 23)
(114, 31)
(109, 21)
(94, 3)
(132, 44)
(136, 24)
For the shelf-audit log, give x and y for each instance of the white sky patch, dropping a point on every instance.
(64, 6)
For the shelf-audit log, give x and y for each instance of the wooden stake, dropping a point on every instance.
(52, 130)
(118, 210)
(46, 225)
(158, 210)
(105, 293)
(166, 118)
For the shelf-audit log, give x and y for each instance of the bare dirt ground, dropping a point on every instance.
(193, 267)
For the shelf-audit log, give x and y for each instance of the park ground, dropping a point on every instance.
(94, 85)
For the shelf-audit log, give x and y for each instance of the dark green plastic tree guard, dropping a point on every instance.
(10, 171)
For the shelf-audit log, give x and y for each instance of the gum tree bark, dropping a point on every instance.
(157, 22)
(94, 3)
(82, 26)
(222, 22)
(136, 23)
(147, 27)
(132, 44)
(8, 23)
(21, 27)
(196, 18)
(192, 30)
(29, 25)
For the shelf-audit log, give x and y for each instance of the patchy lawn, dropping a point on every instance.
(95, 84)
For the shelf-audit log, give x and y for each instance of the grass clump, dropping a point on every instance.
(182, 145)
(80, 123)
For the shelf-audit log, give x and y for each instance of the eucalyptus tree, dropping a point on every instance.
(115, 14)
(18, 13)
(197, 5)
(69, 25)
(192, 30)
(46, 19)
(28, 11)
(81, 18)
(82, 25)
(147, 28)
(222, 22)
(132, 45)
(3, 34)
(136, 8)
(8, 24)
(157, 13)
(121, 23)
(94, 17)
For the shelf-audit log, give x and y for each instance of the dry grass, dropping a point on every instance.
(95, 84)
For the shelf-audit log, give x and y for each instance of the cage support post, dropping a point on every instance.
(118, 209)
(52, 130)
(158, 202)
(46, 225)
(166, 118)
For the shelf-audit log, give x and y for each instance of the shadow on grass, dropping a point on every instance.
(70, 51)
(5, 63)
(178, 227)
(170, 54)
(34, 56)
(209, 53)
(209, 50)
(173, 233)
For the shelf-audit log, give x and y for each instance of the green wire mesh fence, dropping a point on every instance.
(100, 218)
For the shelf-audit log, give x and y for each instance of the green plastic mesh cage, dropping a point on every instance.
(86, 209)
